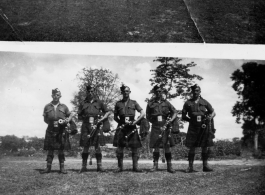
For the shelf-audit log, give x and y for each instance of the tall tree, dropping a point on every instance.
(106, 86)
(249, 83)
(174, 77)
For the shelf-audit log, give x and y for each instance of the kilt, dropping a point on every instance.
(133, 140)
(155, 141)
(55, 140)
(95, 140)
(199, 137)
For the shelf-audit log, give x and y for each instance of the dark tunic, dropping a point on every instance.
(156, 111)
(89, 113)
(56, 138)
(196, 135)
(123, 111)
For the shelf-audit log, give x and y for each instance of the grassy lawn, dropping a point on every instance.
(230, 21)
(219, 21)
(98, 21)
(22, 177)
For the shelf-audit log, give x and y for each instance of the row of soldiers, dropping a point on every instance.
(159, 112)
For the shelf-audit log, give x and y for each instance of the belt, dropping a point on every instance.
(155, 118)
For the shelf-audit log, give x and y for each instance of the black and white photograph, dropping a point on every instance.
(113, 124)
(144, 21)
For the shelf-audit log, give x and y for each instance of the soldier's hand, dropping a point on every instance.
(134, 123)
(66, 120)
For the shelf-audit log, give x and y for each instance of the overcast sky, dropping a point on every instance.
(26, 81)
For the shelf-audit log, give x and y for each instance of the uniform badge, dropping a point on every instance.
(91, 120)
(127, 119)
(199, 118)
(55, 123)
(159, 118)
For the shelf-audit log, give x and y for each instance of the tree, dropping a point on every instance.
(12, 143)
(249, 83)
(35, 142)
(106, 87)
(174, 77)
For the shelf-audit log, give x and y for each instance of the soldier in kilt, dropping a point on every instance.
(57, 138)
(124, 115)
(157, 111)
(201, 128)
(90, 112)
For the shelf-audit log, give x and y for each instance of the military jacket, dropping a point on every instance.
(123, 110)
(162, 108)
(197, 109)
(51, 114)
(91, 109)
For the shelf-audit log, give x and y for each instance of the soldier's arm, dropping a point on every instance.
(106, 115)
(184, 114)
(44, 116)
(210, 111)
(45, 120)
(212, 115)
(142, 114)
(174, 111)
(116, 118)
(71, 116)
(106, 111)
(79, 113)
(116, 115)
(148, 117)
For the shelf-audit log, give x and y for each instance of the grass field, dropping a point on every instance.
(21, 176)
(230, 21)
(98, 21)
(218, 21)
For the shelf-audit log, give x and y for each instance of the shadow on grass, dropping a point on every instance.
(184, 171)
(52, 171)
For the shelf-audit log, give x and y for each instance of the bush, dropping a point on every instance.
(221, 149)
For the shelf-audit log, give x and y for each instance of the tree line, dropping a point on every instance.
(175, 77)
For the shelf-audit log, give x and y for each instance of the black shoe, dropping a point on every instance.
(62, 170)
(207, 169)
(47, 170)
(137, 170)
(83, 169)
(189, 170)
(170, 169)
(100, 169)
